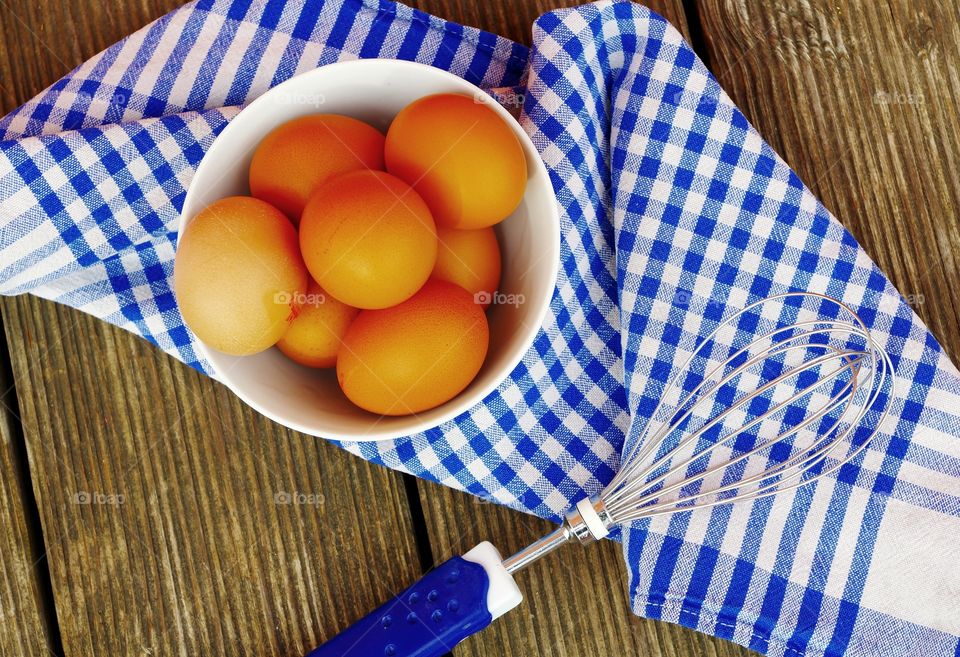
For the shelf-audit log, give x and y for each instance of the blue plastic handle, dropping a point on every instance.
(447, 605)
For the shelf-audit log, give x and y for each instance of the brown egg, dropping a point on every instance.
(471, 259)
(414, 356)
(461, 157)
(368, 239)
(238, 274)
(296, 157)
(314, 336)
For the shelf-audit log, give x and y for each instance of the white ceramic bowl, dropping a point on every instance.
(375, 90)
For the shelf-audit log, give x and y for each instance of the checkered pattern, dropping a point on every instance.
(674, 210)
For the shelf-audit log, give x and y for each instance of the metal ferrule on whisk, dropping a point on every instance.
(586, 522)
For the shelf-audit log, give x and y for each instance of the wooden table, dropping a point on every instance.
(859, 97)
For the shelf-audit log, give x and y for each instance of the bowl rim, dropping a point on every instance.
(466, 399)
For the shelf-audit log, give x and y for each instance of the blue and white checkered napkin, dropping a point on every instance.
(671, 202)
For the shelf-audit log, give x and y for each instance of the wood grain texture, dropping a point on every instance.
(576, 603)
(24, 613)
(178, 521)
(861, 99)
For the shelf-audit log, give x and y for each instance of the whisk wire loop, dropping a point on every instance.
(643, 486)
(693, 437)
(649, 483)
(798, 392)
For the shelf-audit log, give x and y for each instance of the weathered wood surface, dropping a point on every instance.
(23, 610)
(162, 501)
(178, 522)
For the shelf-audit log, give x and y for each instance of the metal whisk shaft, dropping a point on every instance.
(684, 459)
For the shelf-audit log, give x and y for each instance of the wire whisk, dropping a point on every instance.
(782, 410)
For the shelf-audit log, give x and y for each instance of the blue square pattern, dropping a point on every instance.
(673, 209)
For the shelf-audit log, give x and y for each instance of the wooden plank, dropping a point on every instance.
(176, 520)
(24, 613)
(576, 604)
(860, 99)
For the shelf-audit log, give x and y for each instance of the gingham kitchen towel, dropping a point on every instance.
(673, 211)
